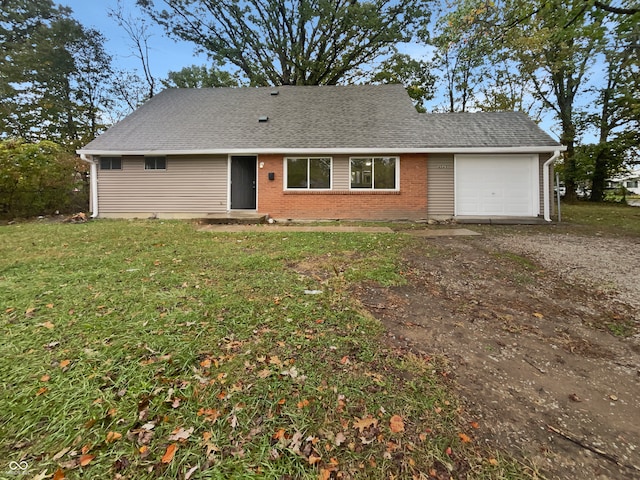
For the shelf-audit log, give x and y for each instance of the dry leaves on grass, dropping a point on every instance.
(396, 424)
(169, 453)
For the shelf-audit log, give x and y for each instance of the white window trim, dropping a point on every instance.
(307, 188)
(373, 189)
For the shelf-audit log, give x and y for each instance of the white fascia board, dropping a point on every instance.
(324, 151)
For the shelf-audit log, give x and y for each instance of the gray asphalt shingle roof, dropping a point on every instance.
(325, 117)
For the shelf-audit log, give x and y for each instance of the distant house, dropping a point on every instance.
(329, 152)
(629, 180)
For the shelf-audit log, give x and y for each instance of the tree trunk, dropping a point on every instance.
(599, 174)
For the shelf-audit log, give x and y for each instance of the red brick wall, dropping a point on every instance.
(410, 202)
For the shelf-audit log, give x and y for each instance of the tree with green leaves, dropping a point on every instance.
(463, 45)
(617, 119)
(200, 76)
(44, 57)
(414, 74)
(299, 42)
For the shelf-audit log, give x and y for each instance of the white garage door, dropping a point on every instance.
(498, 185)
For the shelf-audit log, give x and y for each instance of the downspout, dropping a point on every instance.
(94, 183)
(546, 174)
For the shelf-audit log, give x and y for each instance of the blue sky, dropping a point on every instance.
(166, 54)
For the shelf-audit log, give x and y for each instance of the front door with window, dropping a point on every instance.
(243, 183)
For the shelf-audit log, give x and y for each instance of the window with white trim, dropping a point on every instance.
(155, 163)
(309, 173)
(110, 163)
(632, 184)
(375, 173)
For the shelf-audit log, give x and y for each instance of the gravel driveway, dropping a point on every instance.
(609, 264)
(524, 322)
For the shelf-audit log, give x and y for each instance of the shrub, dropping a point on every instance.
(39, 179)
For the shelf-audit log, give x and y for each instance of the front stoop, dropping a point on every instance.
(233, 217)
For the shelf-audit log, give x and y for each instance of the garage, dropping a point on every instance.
(497, 185)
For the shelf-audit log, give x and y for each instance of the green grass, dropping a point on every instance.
(608, 218)
(123, 339)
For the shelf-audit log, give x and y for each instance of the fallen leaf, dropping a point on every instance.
(206, 363)
(61, 453)
(279, 434)
(48, 325)
(49, 305)
(464, 437)
(396, 424)
(59, 475)
(292, 372)
(493, 462)
(325, 474)
(538, 315)
(144, 451)
(211, 414)
(86, 459)
(362, 423)
(29, 312)
(113, 436)
(64, 363)
(448, 451)
(474, 424)
(42, 391)
(191, 471)
(45, 378)
(9, 310)
(169, 453)
(314, 458)
(303, 403)
(340, 439)
(264, 373)
(180, 434)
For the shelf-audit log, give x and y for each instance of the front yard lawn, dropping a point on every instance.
(145, 349)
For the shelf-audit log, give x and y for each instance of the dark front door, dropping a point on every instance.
(243, 183)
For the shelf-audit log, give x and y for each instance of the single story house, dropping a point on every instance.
(318, 152)
(629, 180)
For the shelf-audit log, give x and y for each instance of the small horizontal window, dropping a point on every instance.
(155, 163)
(110, 163)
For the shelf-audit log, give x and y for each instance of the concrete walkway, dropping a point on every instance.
(427, 232)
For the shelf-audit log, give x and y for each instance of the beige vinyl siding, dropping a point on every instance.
(196, 184)
(341, 172)
(440, 185)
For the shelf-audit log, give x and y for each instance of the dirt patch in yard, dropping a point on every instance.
(526, 324)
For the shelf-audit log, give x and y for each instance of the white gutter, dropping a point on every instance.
(94, 183)
(546, 173)
(334, 151)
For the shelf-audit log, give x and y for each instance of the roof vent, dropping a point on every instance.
(263, 119)
(274, 93)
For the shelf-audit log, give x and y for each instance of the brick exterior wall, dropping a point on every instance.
(410, 202)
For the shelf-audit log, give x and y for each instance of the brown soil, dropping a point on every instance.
(529, 350)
